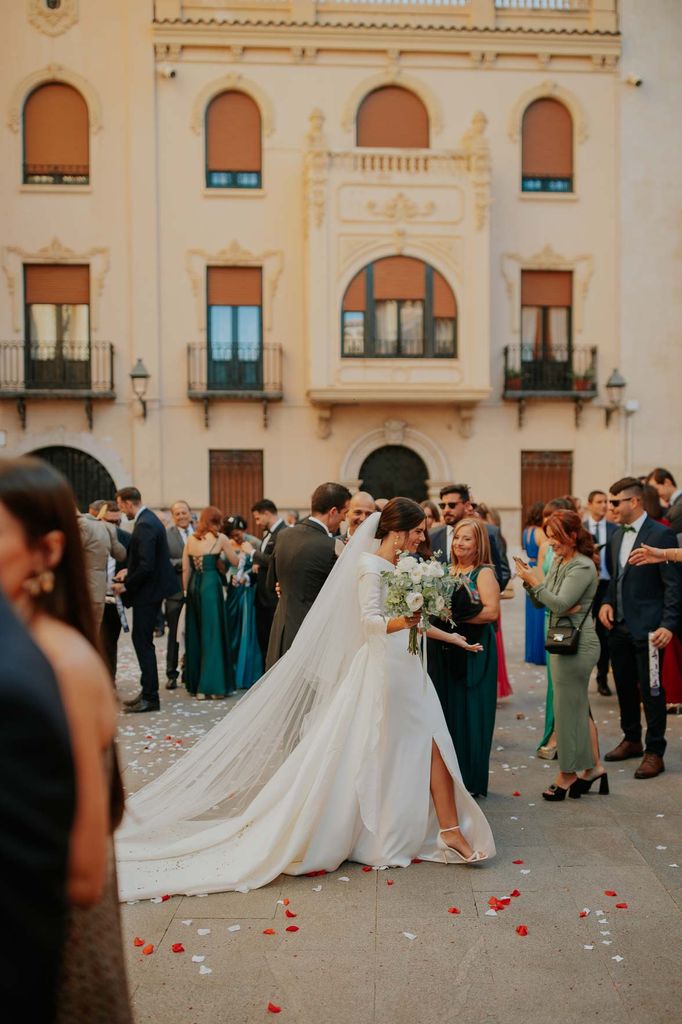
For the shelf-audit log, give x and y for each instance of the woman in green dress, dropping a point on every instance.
(465, 678)
(240, 605)
(208, 665)
(568, 592)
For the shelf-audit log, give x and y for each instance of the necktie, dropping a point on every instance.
(629, 529)
(264, 542)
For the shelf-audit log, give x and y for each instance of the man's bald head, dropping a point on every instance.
(361, 506)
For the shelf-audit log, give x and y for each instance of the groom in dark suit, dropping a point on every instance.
(643, 601)
(302, 559)
(268, 519)
(148, 579)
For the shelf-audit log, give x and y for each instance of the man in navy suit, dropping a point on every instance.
(603, 532)
(455, 504)
(643, 602)
(148, 579)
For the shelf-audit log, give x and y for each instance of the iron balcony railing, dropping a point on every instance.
(239, 371)
(559, 373)
(60, 369)
(56, 174)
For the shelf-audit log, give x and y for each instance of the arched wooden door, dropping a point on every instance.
(395, 471)
(88, 477)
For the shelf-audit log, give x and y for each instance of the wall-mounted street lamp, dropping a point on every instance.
(615, 387)
(139, 378)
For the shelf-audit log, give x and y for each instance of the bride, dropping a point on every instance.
(340, 752)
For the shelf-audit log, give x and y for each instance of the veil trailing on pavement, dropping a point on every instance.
(222, 774)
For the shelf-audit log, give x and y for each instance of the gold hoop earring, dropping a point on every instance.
(41, 583)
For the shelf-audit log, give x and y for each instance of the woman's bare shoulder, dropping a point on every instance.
(75, 661)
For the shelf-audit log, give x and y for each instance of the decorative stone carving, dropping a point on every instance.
(315, 172)
(232, 81)
(54, 73)
(400, 208)
(554, 91)
(466, 421)
(167, 52)
(324, 422)
(547, 259)
(271, 262)
(394, 431)
(476, 145)
(52, 21)
(14, 258)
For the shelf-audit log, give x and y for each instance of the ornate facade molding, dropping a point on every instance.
(399, 208)
(227, 83)
(14, 259)
(271, 262)
(547, 259)
(475, 143)
(549, 90)
(428, 450)
(54, 73)
(394, 75)
(315, 173)
(52, 22)
(357, 251)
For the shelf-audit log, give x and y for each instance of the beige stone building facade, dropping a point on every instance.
(390, 243)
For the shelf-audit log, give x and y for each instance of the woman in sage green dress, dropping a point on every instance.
(465, 677)
(568, 592)
(240, 606)
(208, 665)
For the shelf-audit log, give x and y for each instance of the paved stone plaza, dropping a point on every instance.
(380, 947)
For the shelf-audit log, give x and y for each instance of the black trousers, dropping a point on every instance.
(602, 632)
(144, 620)
(264, 616)
(630, 664)
(109, 632)
(173, 608)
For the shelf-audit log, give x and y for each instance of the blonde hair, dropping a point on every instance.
(483, 554)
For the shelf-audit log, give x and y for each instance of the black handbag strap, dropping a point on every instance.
(566, 618)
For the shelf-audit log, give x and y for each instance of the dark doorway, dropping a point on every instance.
(544, 475)
(236, 482)
(88, 477)
(393, 471)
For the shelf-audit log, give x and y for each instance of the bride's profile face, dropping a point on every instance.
(413, 538)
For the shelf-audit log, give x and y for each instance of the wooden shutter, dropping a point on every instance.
(56, 129)
(57, 284)
(233, 133)
(547, 148)
(236, 482)
(399, 277)
(234, 286)
(544, 475)
(546, 288)
(393, 117)
(355, 299)
(444, 304)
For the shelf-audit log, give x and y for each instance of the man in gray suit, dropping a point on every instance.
(177, 534)
(100, 543)
(302, 559)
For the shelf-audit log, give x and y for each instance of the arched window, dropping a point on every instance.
(56, 136)
(233, 142)
(394, 118)
(399, 306)
(88, 477)
(547, 147)
(392, 470)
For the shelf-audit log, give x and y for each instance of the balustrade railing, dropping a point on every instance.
(561, 372)
(56, 367)
(235, 371)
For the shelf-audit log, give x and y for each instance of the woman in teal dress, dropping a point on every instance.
(465, 679)
(208, 665)
(532, 538)
(240, 608)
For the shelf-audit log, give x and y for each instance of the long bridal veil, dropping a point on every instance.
(222, 774)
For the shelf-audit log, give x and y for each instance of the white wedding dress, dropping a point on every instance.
(353, 786)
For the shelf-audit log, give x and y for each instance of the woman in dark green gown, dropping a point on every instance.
(208, 665)
(466, 681)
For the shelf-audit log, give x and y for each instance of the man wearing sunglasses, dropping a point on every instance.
(642, 601)
(455, 503)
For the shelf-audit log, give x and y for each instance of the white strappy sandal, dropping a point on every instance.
(452, 856)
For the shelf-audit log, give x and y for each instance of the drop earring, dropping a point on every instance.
(41, 583)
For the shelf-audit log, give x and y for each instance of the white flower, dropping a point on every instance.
(414, 600)
(440, 603)
(417, 574)
(406, 564)
(433, 570)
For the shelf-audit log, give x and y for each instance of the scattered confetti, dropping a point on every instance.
(514, 893)
(517, 862)
(274, 1008)
(610, 892)
(289, 913)
(318, 888)
(293, 928)
(524, 871)
(177, 947)
(661, 847)
(588, 947)
(583, 913)
(389, 881)
(148, 950)
(187, 920)
(622, 906)
(235, 928)
(203, 931)
(454, 910)
(409, 935)
(344, 878)
(269, 931)
(205, 970)
(618, 959)
(198, 959)
(366, 868)
(521, 929)
(516, 793)
(164, 899)
(491, 913)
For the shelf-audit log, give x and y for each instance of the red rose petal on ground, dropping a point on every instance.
(177, 947)
(454, 910)
(274, 1008)
(169, 737)
(389, 881)
(138, 942)
(165, 898)
(289, 913)
(286, 902)
(514, 893)
(293, 928)
(148, 949)
(521, 929)
(416, 860)
(366, 868)
(516, 793)
(517, 862)
(269, 931)
(622, 906)
(583, 913)
(610, 892)
(505, 901)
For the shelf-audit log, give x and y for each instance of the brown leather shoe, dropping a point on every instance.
(624, 750)
(651, 766)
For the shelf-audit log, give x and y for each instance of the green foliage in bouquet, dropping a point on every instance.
(418, 587)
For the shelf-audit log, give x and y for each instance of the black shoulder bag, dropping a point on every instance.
(564, 639)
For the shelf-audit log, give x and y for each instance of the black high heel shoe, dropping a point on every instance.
(585, 785)
(556, 793)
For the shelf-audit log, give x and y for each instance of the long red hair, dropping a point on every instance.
(568, 529)
(210, 521)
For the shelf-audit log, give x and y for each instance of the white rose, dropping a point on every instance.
(406, 564)
(417, 574)
(440, 603)
(434, 570)
(414, 600)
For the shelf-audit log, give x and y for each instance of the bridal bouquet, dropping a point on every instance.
(418, 586)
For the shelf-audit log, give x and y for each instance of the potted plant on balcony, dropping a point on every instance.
(512, 380)
(584, 381)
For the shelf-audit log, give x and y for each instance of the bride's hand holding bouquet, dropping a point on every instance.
(416, 591)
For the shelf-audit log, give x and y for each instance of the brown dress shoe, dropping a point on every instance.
(651, 766)
(624, 750)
